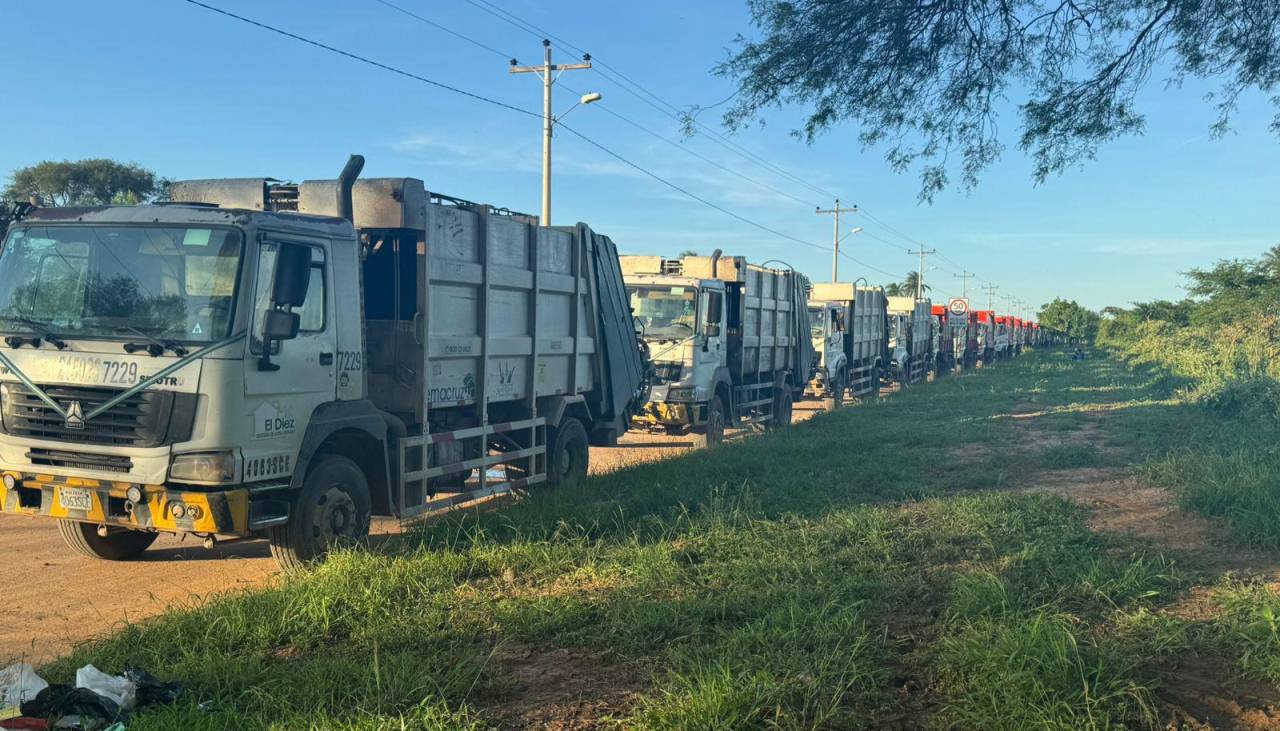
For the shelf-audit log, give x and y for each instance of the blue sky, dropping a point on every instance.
(192, 94)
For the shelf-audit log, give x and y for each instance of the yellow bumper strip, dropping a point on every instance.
(224, 512)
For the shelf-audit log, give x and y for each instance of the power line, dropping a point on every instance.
(362, 59)
(646, 96)
(605, 108)
(638, 90)
(450, 31)
(563, 126)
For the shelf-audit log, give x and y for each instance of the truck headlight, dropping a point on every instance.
(204, 467)
(680, 394)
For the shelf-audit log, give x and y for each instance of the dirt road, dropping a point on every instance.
(55, 600)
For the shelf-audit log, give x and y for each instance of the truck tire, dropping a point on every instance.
(331, 510)
(837, 388)
(875, 382)
(782, 403)
(120, 544)
(712, 433)
(567, 452)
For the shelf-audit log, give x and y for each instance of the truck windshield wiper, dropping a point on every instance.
(39, 327)
(154, 346)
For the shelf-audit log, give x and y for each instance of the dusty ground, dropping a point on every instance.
(54, 600)
(1198, 693)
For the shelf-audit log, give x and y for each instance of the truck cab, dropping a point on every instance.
(828, 330)
(682, 320)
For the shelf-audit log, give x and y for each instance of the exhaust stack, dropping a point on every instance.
(715, 264)
(346, 181)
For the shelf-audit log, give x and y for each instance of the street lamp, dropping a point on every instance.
(835, 251)
(549, 72)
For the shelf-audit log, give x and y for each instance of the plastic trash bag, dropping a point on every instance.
(117, 688)
(70, 707)
(19, 683)
(149, 690)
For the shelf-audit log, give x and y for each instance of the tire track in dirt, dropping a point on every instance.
(1198, 693)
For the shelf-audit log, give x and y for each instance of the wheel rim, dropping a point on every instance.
(335, 519)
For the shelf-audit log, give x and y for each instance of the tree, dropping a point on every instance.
(929, 79)
(909, 284)
(688, 252)
(84, 183)
(893, 289)
(1069, 318)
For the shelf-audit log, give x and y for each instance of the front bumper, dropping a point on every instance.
(224, 511)
(665, 413)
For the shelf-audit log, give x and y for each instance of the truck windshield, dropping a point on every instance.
(666, 313)
(177, 283)
(817, 322)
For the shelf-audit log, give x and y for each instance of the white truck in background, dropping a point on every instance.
(849, 329)
(728, 341)
(288, 360)
(910, 339)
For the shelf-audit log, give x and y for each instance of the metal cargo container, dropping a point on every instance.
(866, 333)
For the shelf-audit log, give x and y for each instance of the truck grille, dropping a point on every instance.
(79, 460)
(145, 419)
(667, 372)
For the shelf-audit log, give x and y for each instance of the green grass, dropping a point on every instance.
(790, 581)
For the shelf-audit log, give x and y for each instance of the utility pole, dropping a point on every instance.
(549, 73)
(835, 249)
(920, 277)
(964, 285)
(990, 289)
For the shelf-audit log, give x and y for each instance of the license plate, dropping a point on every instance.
(75, 498)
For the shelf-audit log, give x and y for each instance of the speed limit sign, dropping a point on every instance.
(959, 309)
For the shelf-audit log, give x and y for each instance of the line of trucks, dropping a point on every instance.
(269, 359)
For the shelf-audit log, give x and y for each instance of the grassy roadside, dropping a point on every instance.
(875, 567)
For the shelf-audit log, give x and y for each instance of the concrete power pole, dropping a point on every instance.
(549, 73)
(990, 289)
(965, 276)
(920, 276)
(835, 249)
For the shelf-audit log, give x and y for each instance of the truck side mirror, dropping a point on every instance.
(280, 325)
(288, 290)
(293, 274)
(712, 329)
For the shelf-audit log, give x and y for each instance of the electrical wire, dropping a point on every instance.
(364, 60)
(621, 117)
(563, 126)
(450, 31)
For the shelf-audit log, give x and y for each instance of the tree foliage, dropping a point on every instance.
(1069, 318)
(929, 79)
(84, 183)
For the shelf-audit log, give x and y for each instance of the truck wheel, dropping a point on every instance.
(119, 544)
(837, 388)
(712, 433)
(331, 510)
(567, 452)
(782, 403)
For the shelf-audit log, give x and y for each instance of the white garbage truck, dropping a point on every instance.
(280, 360)
(910, 339)
(849, 329)
(728, 341)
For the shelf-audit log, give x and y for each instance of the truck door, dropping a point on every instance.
(713, 327)
(835, 335)
(279, 398)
